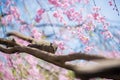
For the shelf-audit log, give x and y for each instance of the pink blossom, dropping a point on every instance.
(107, 34)
(56, 15)
(90, 16)
(76, 15)
(101, 19)
(63, 77)
(88, 48)
(84, 39)
(54, 2)
(88, 28)
(74, 32)
(31, 60)
(110, 3)
(86, 1)
(69, 12)
(15, 12)
(105, 26)
(65, 5)
(23, 27)
(61, 44)
(3, 21)
(79, 30)
(35, 74)
(96, 9)
(95, 15)
(6, 73)
(9, 18)
(38, 19)
(36, 33)
(39, 14)
(8, 2)
(1, 64)
(73, 15)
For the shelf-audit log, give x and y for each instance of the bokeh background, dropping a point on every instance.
(63, 30)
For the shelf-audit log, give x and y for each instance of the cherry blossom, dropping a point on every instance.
(37, 35)
(55, 2)
(76, 23)
(15, 12)
(38, 15)
(110, 3)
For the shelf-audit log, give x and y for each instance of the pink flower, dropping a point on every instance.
(110, 3)
(107, 34)
(95, 15)
(101, 19)
(15, 12)
(8, 2)
(86, 1)
(66, 5)
(8, 75)
(23, 27)
(36, 33)
(70, 14)
(88, 48)
(9, 18)
(38, 15)
(63, 77)
(40, 12)
(54, 2)
(105, 26)
(31, 60)
(55, 14)
(38, 18)
(3, 21)
(90, 16)
(61, 44)
(96, 9)
(84, 39)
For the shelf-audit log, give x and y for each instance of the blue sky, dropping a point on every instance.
(108, 11)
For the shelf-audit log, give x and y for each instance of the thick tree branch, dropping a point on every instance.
(62, 58)
(105, 68)
(41, 44)
(7, 50)
(21, 36)
(79, 55)
(8, 42)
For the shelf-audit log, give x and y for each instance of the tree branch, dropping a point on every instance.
(7, 50)
(8, 42)
(105, 68)
(108, 69)
(79, 55)
(21, 36)
(42, 44)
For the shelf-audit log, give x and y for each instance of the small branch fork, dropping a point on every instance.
(105, 67)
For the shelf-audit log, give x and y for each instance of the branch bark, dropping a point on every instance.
(40, 44)
(105, 68)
